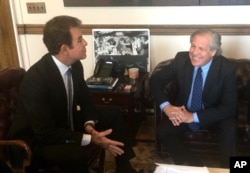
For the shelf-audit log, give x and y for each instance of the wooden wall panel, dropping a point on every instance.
(82, 3)
(224, 2)
(154, 29)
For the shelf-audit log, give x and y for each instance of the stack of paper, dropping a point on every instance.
(167, 168)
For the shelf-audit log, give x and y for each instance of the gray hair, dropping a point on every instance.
(216, 39)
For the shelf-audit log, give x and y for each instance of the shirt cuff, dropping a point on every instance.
(86, 138)
(89, 122)
(163, 105)
(195, 116)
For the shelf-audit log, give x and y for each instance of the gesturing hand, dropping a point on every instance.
(99, 138)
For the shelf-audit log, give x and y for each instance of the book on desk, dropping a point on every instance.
(102, 82)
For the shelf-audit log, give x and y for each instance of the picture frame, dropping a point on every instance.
(127, 48)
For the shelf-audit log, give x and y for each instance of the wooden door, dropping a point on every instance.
(8, 48)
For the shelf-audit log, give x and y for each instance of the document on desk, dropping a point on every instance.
(168, 168)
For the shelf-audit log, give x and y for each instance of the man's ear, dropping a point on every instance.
(64, 48)
(213, 52)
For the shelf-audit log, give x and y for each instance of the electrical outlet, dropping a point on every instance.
(36, 7)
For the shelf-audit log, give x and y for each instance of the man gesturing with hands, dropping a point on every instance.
(56, 115)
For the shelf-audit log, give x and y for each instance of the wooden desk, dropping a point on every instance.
(126, 100)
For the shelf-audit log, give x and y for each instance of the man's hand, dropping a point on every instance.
(99, 138)
(178, 115)
(188, 116)
(175, 114)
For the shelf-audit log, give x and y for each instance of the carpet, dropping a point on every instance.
(146, 155)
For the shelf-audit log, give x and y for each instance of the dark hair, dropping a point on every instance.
(57, 32)
(216, 39)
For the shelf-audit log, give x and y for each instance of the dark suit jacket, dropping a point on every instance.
(219, 94)
(42, 108)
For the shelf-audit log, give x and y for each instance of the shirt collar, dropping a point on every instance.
(206, 67)
(62, 67)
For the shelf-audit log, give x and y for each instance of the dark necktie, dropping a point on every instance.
(70, 99)
(196, 100)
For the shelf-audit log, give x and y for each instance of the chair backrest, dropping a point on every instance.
(243, 76)
(243, 87)
(10, 79)
(171, 89)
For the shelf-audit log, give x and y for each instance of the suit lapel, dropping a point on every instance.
(188, 80)
(56, 75)
(211, 76)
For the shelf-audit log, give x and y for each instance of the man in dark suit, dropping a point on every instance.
(43, 114)
(218, 98)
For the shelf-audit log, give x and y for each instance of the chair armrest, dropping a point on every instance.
(22, 144)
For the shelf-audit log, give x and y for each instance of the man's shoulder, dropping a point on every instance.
(226, 61)
(43, 60)
(224, 64)
(43, 66)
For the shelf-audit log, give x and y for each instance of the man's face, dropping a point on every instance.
(199, 52)
(77, 51)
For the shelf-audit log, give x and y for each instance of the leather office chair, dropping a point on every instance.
(10, 79)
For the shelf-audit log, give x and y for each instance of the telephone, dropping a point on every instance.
(104, 68)
(104, 75)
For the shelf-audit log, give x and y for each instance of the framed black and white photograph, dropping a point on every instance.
(126, 47)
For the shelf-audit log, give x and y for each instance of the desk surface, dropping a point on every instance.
(218, 170)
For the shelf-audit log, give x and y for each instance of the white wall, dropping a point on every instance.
(162, 47)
